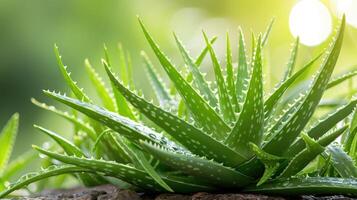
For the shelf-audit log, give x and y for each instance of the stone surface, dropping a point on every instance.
(110, 192)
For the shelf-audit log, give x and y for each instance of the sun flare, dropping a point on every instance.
(311, 21)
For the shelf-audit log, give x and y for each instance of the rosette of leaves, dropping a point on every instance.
(197, 136)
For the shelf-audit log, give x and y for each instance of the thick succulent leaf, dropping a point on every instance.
(112, 147)
(43, 174)
(275, 124)
(303, 158)
(199, 59)
(160, 89)
(273, 99)
(337, 80)
(7, 140)
(288, 133)
(331, 103)
(79, 123)
(188, 135)
(230, 75)
(226, 107)
(292, 60)
(342, 162)
(126, 127)
(182, 110)
(71, 149)
(306, 186)
(67, 146)
(322, 127)
(249, 126)
(119, 149)
(121, 104)
(103, 93)
(203, 53)
(353, 148)
(128, 173)
(242, 76)
(308, 153)
(203, 168)
(270, 162)
(350, 136)
(77, 91)
(145, 164)
(267, 32)
(200, 109)
(198, 78)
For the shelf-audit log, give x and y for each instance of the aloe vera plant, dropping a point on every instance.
(198, 138)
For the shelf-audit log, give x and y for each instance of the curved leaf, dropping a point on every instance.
(188, 135)
(200, 110)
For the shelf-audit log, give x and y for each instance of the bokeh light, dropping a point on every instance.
(347, 7)
(311, 21)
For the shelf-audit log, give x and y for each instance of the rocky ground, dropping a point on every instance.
(109, 192)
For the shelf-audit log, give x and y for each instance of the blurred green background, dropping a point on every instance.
(29, 30)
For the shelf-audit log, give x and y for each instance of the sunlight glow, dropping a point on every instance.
(311, 21)
(349, 7)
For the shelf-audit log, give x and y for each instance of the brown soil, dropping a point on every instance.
(109, 192)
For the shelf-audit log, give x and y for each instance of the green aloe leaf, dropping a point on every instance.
(200, 109)
(303, 158)
(182, 110)
(115, 150)
(145, 164)
(128, 173)
(77, 91)
(230, 75)
(306, 186)
(226, 107)
(342, 162)
(198, 78)
(121, 104)
(350, 136)
(249, 126)
(308, 153)
(292, 60)
(337, 80)
(270, 162)
(199, 59)
(71, 149)
(126, 127)
(273, 99)
(323, 126)
(103, 92)
(216, 173)
(43, 174)
(203, 53)
(86, 127)
(188, 135)
(242, 76)
(160, 89)
(267, 32)
(67, 146)
(120, 151)
(288, 133)
(7, 140)
(276, 123)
